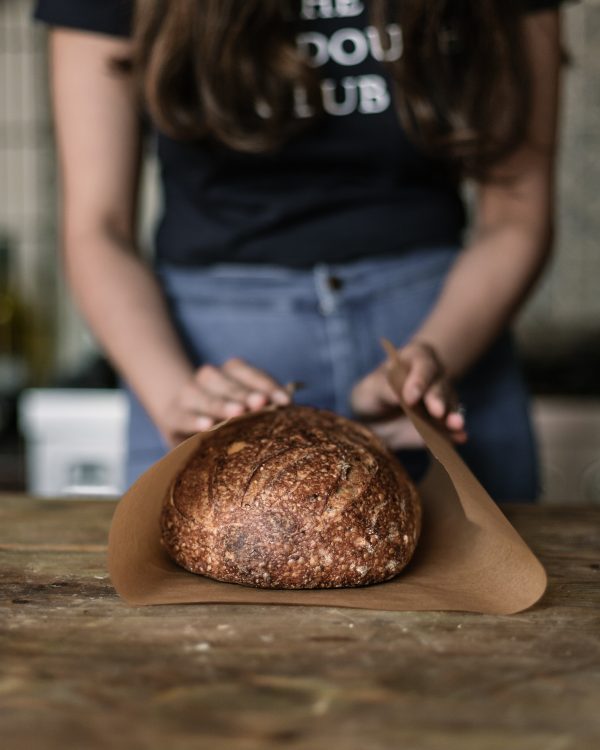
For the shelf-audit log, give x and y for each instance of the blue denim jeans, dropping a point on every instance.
(322, 326)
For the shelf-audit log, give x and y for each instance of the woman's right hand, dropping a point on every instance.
(214, 393)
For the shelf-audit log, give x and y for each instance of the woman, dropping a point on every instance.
(312, 154)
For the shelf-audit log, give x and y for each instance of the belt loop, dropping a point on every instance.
(325, 294)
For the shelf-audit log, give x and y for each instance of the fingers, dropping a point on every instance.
(437, 400)
(206, 408)
(456, 419)
(373, 396)
(424, 370)
(218, 393)
(426, 381)
(256, 380)
(214, 381)
(187, 423)
(397, 434)
(440, 399)
(181, 421)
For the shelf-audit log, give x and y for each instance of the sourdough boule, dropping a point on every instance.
(295, 498)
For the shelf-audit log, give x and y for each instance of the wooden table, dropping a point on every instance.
(80, 669)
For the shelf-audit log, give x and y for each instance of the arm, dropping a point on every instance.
(99, 144)
(508, 248)
(513, 228)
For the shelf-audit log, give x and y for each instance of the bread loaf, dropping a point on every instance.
(293, 497)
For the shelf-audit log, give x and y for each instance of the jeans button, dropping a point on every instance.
(335, 283)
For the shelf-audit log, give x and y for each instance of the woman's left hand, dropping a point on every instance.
(375, 403)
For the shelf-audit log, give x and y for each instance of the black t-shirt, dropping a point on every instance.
(351, 187)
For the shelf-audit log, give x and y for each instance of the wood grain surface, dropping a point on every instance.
(79, 669)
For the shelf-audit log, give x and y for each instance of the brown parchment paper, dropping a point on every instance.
(469, 557)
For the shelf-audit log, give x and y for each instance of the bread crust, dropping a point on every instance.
(293, 498)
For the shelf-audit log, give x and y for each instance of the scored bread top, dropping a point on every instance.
(293, 497)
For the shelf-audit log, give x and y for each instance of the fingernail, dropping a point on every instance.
(203, 423)
(233, 408)
(256, 399)
(438, 405)
(412, 394)
(280, 397)
(455, 420)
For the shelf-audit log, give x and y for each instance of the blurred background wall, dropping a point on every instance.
(559, 332)
(566, 305)
(29, 200)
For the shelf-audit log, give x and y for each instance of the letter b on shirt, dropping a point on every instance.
(374, 94)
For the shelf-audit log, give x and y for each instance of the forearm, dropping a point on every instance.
(124, 306)
(515, 211)
(486, 286)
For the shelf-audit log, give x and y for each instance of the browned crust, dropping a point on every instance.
(294, 497)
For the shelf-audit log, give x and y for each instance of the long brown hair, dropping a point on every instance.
(461, 82)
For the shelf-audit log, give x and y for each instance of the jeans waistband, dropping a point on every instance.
(351, 278)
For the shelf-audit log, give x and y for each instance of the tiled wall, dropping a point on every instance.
(568, 299)
(26, 164)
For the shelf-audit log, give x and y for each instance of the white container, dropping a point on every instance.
(75, 441)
